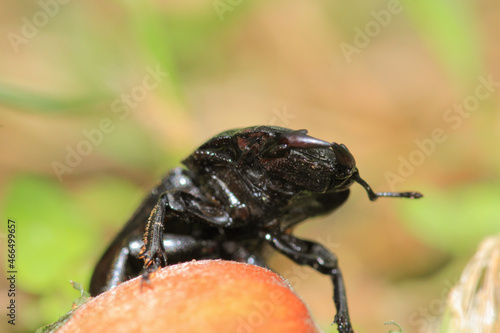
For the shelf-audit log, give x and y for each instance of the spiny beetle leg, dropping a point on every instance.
(149, 271)
(153, 251)
(170, 204)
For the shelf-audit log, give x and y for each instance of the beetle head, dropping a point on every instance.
(306, 163)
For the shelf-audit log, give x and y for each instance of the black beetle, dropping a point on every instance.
(241, 190)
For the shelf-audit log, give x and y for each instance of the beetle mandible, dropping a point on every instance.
(242, 190)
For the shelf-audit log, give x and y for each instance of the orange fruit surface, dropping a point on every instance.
(198, 296)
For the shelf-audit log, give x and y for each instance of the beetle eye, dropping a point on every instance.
(344, 156)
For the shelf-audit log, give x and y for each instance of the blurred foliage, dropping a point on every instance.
(472, 305)
(445, 219)
(451, 29)
(238, 68)
(84, 297)
(62, 242)
(24, 100)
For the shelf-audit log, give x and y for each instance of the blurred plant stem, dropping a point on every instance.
(474, 303)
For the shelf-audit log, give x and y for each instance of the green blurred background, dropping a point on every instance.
(378, 76)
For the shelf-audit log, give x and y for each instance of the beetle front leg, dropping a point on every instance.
(153, 251)
(315, 255)
(175, 204)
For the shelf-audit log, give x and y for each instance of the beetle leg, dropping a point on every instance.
(152, 251)
(115, 275)
(175, 204)
(179, 248)
(235, 252)
(312, 254)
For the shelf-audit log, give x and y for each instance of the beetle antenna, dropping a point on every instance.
(373, 196)
(410, 195)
